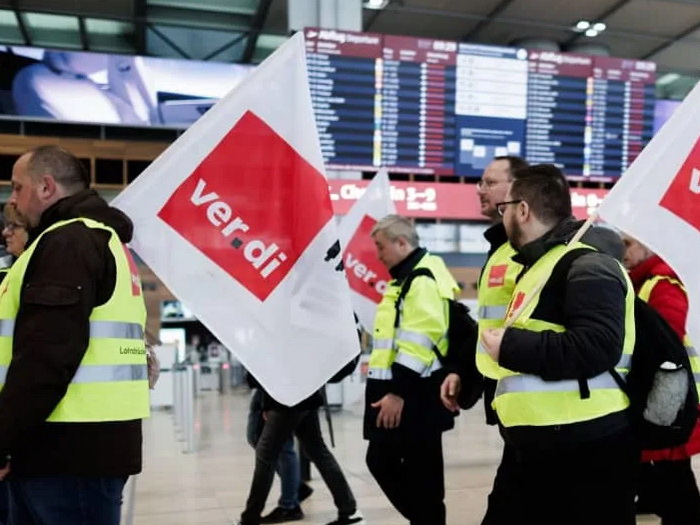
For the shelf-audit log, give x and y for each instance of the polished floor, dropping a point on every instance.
(209, 487)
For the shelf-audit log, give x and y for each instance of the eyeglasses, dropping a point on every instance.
(12, 226)
(487, 184)
(501, 206)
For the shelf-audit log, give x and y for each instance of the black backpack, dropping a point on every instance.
(462, 336)
(660, 383)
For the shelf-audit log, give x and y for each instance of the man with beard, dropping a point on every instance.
(71, 342)
(496, 285)
(557, 403)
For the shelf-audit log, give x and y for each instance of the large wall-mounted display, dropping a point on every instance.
(448, 108)
(413, 105)
(98, 88)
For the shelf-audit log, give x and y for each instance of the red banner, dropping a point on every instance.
(443, 200)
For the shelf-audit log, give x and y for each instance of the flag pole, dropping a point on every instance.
(576, 238)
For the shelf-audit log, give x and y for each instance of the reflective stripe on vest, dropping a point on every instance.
(495, 289)
(527, 400)
(494, 312)
(111, 382)
(528, 383)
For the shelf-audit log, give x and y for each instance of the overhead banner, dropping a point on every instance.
(443, 200)
(236, 219)
(366, 274)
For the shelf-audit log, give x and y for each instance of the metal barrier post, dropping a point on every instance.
(188, 406)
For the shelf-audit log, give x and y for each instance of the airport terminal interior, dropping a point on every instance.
(431, 90)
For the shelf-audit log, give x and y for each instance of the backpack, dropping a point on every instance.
(462, 337)
(660, 383)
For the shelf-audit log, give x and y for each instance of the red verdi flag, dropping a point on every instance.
(367, 275)
(236, 219)
(657, 200)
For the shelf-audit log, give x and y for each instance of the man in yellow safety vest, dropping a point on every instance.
(73, 371)
(557, 403)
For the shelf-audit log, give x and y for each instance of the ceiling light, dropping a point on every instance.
(582, 25)
(599, 26)
(376, 4)
(591, 32)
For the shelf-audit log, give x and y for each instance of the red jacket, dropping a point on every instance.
(671, 302)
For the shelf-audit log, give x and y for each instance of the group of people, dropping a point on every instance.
(552, 335)
(71, 402)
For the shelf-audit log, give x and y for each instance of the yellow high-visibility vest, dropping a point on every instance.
(424, 323)
(111, 383)
(528, 400)
(495, 290)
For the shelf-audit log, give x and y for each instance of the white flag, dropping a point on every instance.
(657, 201)
(366, 273)
(235, 217)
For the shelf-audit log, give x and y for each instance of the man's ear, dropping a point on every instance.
(523, 211)
(48, 187)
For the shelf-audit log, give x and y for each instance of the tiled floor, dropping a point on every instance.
(209, 487)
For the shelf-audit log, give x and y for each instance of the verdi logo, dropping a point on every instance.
(252, 206)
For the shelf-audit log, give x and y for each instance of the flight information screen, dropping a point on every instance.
(491, 105)
(426, 106)
(417, 101)
(344, 75)
(622, 115)
(558, 109)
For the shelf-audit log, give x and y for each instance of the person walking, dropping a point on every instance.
(667, 484)
(76, 383)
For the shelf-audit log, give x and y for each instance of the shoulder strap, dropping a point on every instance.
(558, 279)
(405, 287)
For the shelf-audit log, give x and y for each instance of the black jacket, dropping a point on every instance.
(71, 272)
(592, 308)
(422, 412)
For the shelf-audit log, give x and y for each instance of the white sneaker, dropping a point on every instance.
(354, 519)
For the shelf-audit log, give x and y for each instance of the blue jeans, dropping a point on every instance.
(66, 500)
(288, 462)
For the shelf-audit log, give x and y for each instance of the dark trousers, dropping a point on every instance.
(409, 469)
(66, 500)
(669, 489)
(578, 484)
(280, 425)
(504, 506)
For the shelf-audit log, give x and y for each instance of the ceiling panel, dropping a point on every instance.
(89, 7)
(681, 56)
(430, 26)
(627, 46)
(474, 7)
(561, 12)
(657, 17)
(499, 32)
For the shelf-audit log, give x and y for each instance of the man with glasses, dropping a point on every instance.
(495, 287)
(559, 408)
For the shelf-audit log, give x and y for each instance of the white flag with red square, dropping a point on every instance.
(367, 275)
(657, 201)
(235, 217)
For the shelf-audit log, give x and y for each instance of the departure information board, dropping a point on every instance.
(418, 99)
(343, 70)
(426, 106)
(622, 115)
(491, 105)
(558, 109)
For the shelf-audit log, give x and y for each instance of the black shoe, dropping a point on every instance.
(280, 515)
(354, 519)
(304, 491)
